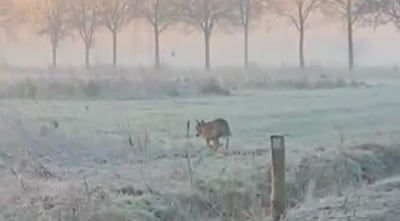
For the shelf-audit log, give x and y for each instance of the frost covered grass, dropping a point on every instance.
(94, 159)
(129, 84)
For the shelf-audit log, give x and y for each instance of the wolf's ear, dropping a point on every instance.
(203, 122)
(197, 121)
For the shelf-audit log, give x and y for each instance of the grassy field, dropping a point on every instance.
(311, 118)
(77, 151)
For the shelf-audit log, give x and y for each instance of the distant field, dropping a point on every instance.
(311, 118)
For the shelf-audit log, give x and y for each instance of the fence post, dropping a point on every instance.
(188, 129)
(278, 195)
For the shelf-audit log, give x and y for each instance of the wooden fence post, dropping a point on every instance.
(188, 129)
(278, 195)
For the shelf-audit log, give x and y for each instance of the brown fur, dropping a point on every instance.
(212, 131)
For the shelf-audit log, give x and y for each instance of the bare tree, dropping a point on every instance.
(52, 21)
(160, 14)
(298, 12)
(8, 15)
(115, 15)
(85, 19)
(205, 15)
(388, 11)
(353, 12)
(248, 13)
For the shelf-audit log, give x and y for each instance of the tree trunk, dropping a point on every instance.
(301, 47)
(157, 47)
(246, 46)
(87, 55)
(350, 37)
(207, 49)
(54, 46)
(114, 33)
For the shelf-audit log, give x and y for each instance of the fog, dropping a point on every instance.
(273, 45)
(96, 125)
(273, 40)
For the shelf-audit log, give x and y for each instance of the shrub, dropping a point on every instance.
(91, 88)
(212, 87)
(26, 89)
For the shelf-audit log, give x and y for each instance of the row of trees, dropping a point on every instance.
(58, 19)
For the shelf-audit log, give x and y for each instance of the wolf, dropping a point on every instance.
(212, 131)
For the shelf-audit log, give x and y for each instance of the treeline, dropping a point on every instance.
(59, 19)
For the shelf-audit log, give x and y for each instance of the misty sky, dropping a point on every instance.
(274, 45)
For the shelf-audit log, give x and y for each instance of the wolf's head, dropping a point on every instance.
(199, 127)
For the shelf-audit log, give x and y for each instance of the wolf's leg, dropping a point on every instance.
(217, 144)
(208, 144)
(227, 143)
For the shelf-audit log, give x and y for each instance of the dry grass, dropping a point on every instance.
(326, 176)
